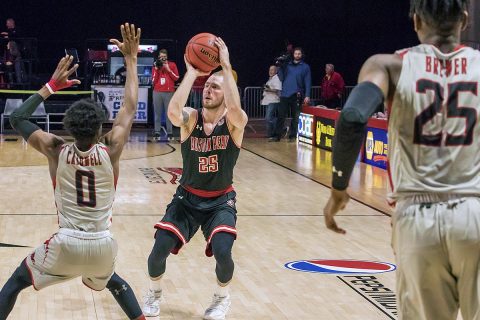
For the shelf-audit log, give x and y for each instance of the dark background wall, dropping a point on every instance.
(342, 32)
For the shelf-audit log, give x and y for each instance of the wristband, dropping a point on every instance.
(49, 88)
(53, 85)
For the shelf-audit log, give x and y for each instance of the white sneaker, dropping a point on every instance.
(218, 309)
(151, 305)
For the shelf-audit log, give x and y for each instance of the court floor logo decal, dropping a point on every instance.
(357, 275)
(374, 291)
(156, 175)
(340, 266)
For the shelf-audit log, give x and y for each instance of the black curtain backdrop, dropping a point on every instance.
(342, 32)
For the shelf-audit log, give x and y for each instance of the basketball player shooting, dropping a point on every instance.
(434, 161)
(210, 143)
(84, 176)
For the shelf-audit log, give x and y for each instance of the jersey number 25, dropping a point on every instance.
(455, 109)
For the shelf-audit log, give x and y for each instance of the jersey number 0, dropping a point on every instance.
(91, 201)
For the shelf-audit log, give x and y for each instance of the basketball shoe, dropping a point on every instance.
(151, 305)
(218, 308)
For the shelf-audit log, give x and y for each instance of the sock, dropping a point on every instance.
(221, 291)
(123, 293)
(156, 284)
(19, 280)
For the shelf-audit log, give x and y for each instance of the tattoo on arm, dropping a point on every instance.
(186, 117)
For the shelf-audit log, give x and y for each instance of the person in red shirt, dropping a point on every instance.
(164, 76)
(332, 88)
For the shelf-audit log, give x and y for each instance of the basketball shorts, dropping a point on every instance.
(71, 253)
(436, 240)
(188, 212)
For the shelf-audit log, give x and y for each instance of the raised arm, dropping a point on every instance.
(178, 115)
(376, 77)
(118, 136)
(236, 116)
(44, 142)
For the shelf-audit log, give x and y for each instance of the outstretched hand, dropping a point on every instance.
(131, 40)
(337, 202)
(59, 78)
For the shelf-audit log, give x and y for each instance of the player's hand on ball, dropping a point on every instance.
(190, 68)
(223, 52)
(337, 201)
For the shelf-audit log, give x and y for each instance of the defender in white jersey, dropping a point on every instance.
(84, 175)
(85, 188)
(434, 166)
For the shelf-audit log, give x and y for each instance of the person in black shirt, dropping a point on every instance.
(211, 139)
(11, 32)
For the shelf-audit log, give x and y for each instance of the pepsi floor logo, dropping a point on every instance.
(357, 275)
(340, 266)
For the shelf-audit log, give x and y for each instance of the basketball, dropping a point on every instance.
(202, 53)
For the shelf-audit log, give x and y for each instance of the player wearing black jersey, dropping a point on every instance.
(210, 144)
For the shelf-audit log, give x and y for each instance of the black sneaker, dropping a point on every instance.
(273, 139)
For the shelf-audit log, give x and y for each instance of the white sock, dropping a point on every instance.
(156, 284)
(221, 291)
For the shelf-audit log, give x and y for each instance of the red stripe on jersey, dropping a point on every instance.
(458, 47)
(30, 273)
(206, 193)
(220, 228)
(403, 53)
(172, 228)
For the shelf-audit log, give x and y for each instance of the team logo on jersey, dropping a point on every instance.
(221, 122)
(340, 266)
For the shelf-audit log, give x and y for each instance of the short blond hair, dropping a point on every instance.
(220, 74)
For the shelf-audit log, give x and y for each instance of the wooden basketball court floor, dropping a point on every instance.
(281, 187)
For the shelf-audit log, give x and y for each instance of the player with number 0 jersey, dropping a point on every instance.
(84, 175)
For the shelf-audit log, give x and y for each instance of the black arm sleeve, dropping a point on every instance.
(19, 118)
(350, 131)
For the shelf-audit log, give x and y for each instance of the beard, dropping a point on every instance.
(210, 104)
